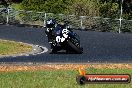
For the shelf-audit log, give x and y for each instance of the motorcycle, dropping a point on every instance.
(64, 39)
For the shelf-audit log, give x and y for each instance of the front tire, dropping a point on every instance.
(76, 49)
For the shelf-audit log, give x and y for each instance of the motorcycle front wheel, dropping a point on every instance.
(78, 50)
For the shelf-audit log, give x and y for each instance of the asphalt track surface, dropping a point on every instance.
(99, 47)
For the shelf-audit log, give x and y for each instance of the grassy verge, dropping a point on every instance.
(57, 78)
(10, 47)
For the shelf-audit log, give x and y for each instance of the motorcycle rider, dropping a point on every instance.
(52, 26)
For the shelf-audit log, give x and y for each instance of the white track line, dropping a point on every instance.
(44, 50)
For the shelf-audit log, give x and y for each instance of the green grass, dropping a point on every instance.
(10, 47)
(56, 79)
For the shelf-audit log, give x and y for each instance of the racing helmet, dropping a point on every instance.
(50, 23)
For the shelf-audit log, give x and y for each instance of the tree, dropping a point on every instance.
(84, 7)
(6, 2)
(109, 8)
(49, 6)
(127, 6)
